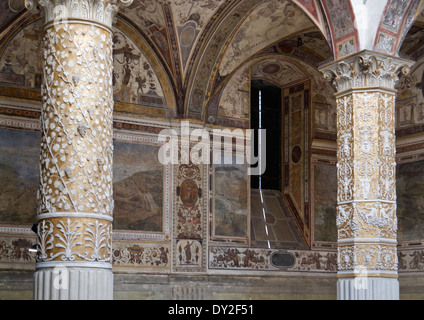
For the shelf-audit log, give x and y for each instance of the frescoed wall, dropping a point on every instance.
(231, 201)
(325, 201)
(410, 169)
(410, 100)
(410, 199)
(21, 62)
(296, 154)
(138, 182)
(190, 217)
(235, 103)
(135, 79)
(138, 187)
(195, 60)
(19, 176)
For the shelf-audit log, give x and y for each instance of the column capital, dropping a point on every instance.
(58, 11)
(364, 70)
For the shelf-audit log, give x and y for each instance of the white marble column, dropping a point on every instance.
(366, 174)
(75, 203)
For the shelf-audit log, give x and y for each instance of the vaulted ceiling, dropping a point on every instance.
(201, 44)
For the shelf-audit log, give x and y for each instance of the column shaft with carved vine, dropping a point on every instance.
(366, 198)
(75, 209)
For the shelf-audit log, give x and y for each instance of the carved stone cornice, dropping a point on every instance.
(59, 11)
(366, 69)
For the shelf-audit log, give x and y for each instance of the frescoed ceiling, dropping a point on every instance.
(7, 15)
(201, 44)
(265, 24)
(268, 23)
(413, 45)
(279, 72)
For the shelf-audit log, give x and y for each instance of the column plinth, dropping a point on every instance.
(366, 174)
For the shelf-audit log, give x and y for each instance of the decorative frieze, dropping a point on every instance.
(146, 255)
(14, 250)
(156, 256)
(257, 259)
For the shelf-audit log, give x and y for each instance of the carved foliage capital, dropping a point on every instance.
(100, 11)
(366, 69)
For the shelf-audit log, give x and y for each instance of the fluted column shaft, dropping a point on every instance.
(75, 209)
(366, 173)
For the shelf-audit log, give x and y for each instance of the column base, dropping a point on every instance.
(70, 283)
(368, 288)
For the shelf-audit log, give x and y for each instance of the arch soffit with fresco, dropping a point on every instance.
(281, 19)
(334, 19)
(29, 26)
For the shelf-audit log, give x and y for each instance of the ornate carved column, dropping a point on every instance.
(75, 197)
(366, 219)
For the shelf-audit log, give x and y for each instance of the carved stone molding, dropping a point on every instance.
(366, 69)
(59, 11)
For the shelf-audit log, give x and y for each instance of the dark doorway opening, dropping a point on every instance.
(266, 114)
